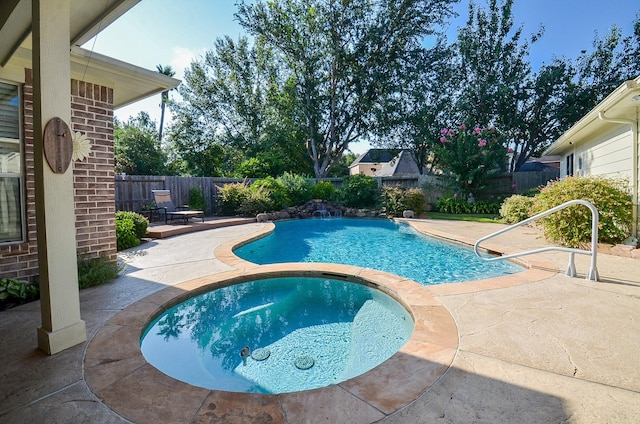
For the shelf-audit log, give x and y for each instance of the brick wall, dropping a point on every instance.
(93, 180)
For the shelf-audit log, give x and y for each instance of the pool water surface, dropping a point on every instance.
(379, 244)
(277, 335)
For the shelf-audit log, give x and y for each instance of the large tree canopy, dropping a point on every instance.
(321, 74)
(136, 147)
(235, 100)
(347, 60)
(496, 85)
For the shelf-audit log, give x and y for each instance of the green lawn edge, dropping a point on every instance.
(488, 218)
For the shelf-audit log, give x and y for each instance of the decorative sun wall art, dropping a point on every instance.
(81, 146)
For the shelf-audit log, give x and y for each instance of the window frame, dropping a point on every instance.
(21, 175)
(569, 165)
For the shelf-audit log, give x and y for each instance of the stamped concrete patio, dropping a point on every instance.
(544, 348)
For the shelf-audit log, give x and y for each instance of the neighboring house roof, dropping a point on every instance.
(375, 156)
(130, 83)
(544, 163)
(619, 105)
(402, 164)
(536, 166)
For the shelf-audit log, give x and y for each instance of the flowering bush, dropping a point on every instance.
(472, 154)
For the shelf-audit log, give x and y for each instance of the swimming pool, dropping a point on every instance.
(277, 335)
(380, 244)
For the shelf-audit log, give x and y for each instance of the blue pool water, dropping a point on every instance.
(342, 329)
(379, 244)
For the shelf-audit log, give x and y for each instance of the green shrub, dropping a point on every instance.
(259, 199)
(572, 226)
(126, 234)
(196, 199)
(267, 194)
(96, 271)
(485, 207)
(392, 200)
(140, 223)
(324, 190)
(297, 189)
(516, 208)
(397, 199)
(415, 200)
(453, 205)
(231, 197)
(18, 291)
(252, 168)
(532, 192)
(360, 191)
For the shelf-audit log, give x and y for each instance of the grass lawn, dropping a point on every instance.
(465, 217)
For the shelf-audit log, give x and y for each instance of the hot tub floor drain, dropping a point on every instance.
(304, 362)
(260, 354)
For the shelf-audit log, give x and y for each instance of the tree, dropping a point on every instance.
(496, 85)
(346, 59)
(630, 60)
(341, 168)
(136, 148)
(563, 92)
(492, 65)
(613, 60)
(472, 154)
(168, 71)
(542, 115)
(199, 153)
(423, 107)
(236, 99)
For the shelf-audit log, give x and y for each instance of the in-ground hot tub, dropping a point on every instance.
(277, 335)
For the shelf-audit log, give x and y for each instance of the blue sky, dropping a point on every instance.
(171, 32)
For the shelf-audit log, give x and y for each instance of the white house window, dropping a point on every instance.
(11, 166)
(570, 165)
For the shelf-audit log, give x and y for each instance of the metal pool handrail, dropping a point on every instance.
(571, 269)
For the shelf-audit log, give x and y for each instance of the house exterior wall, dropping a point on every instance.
(366, 168)
(94, 186)
(609, 155)
(637, 141)
(94, 178)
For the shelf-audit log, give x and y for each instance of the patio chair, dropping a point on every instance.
(165, 206)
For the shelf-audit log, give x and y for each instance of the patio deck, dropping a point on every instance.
(547, 349)
(158, 230)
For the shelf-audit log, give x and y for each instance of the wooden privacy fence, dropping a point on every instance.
(524, 181)
(133, 192)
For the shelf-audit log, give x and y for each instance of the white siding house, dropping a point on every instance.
(605, 142)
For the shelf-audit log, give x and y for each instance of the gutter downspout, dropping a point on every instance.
(634, 170)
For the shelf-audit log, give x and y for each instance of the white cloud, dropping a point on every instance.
(182, 58)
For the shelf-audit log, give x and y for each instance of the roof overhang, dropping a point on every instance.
(130, 83)
(618, 106)
(88, 18)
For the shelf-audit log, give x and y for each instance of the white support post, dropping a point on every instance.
(55, 211)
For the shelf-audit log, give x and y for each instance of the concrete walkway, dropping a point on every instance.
(556, 350)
